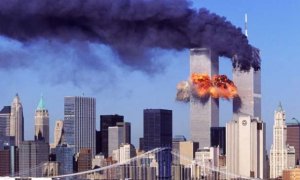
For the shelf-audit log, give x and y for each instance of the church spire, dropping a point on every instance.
(279, 108)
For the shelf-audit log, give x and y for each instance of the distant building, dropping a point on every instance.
(158, 133)
(98, 142)
(126, 131)
(279, 149)
(65, 158)
(291, 174)
(41, 122)
(105, 122)
(17, 120)
(209, 158)
(293, 137)
(141, 144)
(58, 132)
(9, 160)
(203, 115)
(32, 154)
(187, 151)
(80, 122)
(218, 138)
(50, 169)
(5, 121)
(175, 147)
(245, 147)
(115, 137)
(84, 160)
(98, 161)
(157, 128)
(127, 151)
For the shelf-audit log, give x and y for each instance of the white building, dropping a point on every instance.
(115, 137)
(98, 161)
(279, 157)
(41, 122)
(58, 129)
(208, 158)
(127, 151)
(17, 120)
(245, 147)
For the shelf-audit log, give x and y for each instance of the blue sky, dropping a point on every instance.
(273, 27)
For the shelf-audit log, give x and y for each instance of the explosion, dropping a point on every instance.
(200, 85)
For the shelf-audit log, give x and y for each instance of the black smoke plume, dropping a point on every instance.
(130, 27)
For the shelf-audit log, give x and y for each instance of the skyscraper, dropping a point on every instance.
(279, 148)
(31, 155)
(105, 122)
(293, 136)
(204, 112)
(41, 122)
(80, 122)
(245, 147)
(126, 130)
(4, 121)
(115, 137)
(249, 89)
(218, 138)
(17, 120)
(157, 128)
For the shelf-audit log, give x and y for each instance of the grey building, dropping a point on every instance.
(204, 112)
(32, 155)
(80, 122)
(4, 121)
(105, 122)
(175, 148)
(157, 128)
(65, 158)
(17, 120)
(118, 135)
(41, 122)
(249, 89)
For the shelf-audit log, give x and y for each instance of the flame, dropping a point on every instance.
(217, 87)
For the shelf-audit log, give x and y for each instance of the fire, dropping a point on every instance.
(217, 87)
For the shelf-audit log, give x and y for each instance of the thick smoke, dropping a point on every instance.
(130, 27)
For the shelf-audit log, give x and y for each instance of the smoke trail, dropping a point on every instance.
(130, 27)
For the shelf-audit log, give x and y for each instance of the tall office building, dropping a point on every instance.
(245, 147)
(249, 89)
(126, 131)
(32, 154)
(158, 133)
(278, 152)
(105, 122)
(9, 160)
(204, 112)
(157, 128)
(293, 137)
(41, 122)
(17, 120)
(84, 160)
(4, 121)
(65, 158)
(58, 132)
(80, 122)
(218, 138)
(115, 137)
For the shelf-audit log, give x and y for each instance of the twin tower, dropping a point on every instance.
(204, 115)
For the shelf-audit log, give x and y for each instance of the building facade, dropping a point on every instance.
(187, 151)
(80, 122)
(84, 160)
(157, 128)
(293, 137)
(218, 138)
(17, 120)
(204, 112)
(249, 89)
(115, 138)
(245, 147)
(41, 122)
(65, 158)
(32, 154)
(279, 148)
(58, 132)
(5, 121)
(105, 122)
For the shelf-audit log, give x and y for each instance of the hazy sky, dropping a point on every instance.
(273, 27)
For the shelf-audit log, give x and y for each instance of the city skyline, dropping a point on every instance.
(273, 58)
